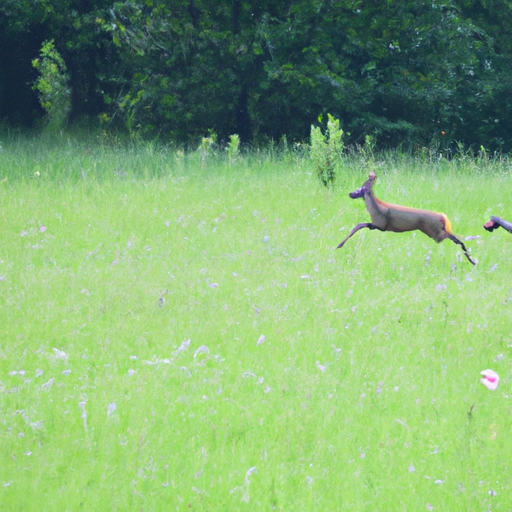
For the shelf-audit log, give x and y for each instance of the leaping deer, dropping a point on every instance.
(392, 217)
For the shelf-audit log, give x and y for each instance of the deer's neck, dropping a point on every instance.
(376, 208)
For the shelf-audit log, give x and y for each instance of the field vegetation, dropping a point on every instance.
(178, 332)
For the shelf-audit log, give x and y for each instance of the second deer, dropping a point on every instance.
(392, 217)
(496, 222)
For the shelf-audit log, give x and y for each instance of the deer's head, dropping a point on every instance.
(366, 188)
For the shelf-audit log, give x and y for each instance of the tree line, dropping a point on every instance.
(421, 73)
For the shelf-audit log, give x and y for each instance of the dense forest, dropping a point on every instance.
(421, 73)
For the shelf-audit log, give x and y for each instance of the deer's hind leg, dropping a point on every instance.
(453, 238)
(362, 225)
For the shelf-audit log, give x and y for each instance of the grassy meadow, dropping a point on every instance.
(178, 333)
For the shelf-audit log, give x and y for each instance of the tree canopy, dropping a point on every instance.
(429, 73)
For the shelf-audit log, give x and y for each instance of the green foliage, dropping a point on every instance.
(368, 150)
(326, 150)
(52, 86)
(421, 74)
(208, 146)
(233, 148)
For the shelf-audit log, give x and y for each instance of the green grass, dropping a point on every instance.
(204, 300)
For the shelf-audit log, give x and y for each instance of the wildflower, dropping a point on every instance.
(48, 384)
(250, 471)
(184, 345)
(320, 366)
(60, 354)
(490, 379)
(203, 349)
(42, 229)
(84, 413)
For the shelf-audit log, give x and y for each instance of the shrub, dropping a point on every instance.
(52, 86)
(326, 150)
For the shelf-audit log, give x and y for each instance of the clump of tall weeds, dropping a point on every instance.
(326, 150)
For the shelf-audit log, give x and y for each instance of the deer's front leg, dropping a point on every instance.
(362, 225)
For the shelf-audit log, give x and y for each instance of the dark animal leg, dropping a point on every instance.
(368, 225)
(457, 241)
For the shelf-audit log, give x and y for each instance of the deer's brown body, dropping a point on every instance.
(393, 217)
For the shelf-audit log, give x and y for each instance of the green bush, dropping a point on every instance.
(52, 86)
(326, 150)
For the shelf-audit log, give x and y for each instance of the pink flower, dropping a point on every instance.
(321, 366)
(490, 379)
(42, 229)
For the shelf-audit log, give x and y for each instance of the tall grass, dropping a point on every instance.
(178, 333)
